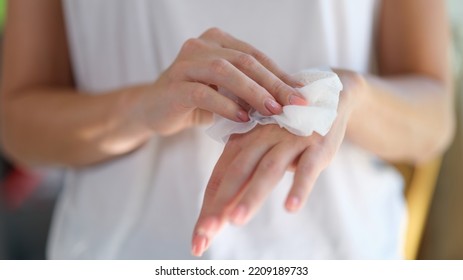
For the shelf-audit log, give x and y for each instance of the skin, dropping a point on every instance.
(67, 127)
(409, 106)
(410, 119)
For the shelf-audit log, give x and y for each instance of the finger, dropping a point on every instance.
(230, 152)
(231, 171)
(224, 186)
(206, 98)
(238, 173)
(308, 169)
(205, 230)
(207, 225)
(228, 41)
(269, 172)
(221, 72)
(284, 94)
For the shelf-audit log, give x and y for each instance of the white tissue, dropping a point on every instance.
(321, 90)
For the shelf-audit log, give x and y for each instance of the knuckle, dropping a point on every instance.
(213, 32)
(232, 142)
(235, 142)
(191, 45)
(213, 186)
(219, 66)
(317, 140)
(289, 80)
(270, 166)
(255, 90)
(198, 94)
(278, 87)
(263, 58)
(254, 94)
(246, 60)
(307, 167)
(236, 168)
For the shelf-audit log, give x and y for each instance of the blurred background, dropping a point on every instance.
(27, 197)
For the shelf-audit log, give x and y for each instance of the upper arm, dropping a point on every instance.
(35, 47)
(414, 38)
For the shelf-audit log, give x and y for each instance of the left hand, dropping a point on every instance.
(253, 163)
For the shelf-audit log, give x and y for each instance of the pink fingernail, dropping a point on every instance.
(242, 116)
(273, 106)
(299, 84)
(293, 203)
(238, 215)
(198, 245)
(297, 100)
(208, 226)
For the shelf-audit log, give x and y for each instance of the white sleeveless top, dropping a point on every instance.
(144, 205)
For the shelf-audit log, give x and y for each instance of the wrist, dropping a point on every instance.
(353, 93)
(137, 105)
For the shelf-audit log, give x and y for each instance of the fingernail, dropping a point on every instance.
(293, 203)
(297, 100)
(299, 84)
(273, 106)
(238, 216)
(208, 226)
(198, 245)
(242, 116)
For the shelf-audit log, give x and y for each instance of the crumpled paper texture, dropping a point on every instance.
(321, 89)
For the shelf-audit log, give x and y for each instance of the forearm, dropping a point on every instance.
(63, 127)
(405, 118)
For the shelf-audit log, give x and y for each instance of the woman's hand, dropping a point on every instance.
(252, 164)
(186, 93)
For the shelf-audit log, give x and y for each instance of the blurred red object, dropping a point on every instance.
(18, 186)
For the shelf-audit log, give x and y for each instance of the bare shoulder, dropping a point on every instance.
(414, 38)
(35, 46)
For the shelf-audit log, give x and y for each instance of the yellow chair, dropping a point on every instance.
(420, 184)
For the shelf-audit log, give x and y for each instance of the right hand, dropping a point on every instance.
(186, 93)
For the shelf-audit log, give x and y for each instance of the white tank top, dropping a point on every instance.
(144, 204)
